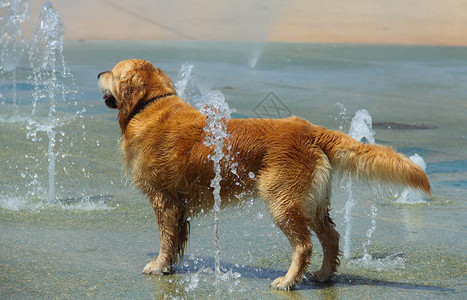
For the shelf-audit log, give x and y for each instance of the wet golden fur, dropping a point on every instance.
(292, 159)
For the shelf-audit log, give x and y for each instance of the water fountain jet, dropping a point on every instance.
(46, 48)
(409, 195)
(360, 129)
(185, 85)
(12, 15)
(217, 113)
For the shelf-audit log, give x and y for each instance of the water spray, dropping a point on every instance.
(217, 113)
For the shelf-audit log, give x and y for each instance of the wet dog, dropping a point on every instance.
(293, 162)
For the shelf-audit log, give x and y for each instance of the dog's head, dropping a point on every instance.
(130, 85)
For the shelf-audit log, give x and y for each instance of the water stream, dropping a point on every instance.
(361, 130)
(217, 113)
(12, 42)
(47, 47)
(185, 85)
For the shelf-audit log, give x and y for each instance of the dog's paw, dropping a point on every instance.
(281, 283)
(321, 276)
(154, 268)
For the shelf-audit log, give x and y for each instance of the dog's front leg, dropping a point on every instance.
(168, 212)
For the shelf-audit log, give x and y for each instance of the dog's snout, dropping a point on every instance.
(99, 75)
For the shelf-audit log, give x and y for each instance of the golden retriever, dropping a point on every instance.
(293, 162)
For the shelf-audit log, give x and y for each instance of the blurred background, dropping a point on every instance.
(428, 22)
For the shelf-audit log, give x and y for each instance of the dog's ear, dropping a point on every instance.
(138, 86)
(161, 83)
(133, 89)
(141, 84)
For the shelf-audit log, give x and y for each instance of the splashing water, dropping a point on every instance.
(368, 261)
(54, 89)
(360, 129)
(217, 114)
(48, 44)
(46, 48)
(12, 15)
(342, 118)
(393, 261)
(185, 85)
(349, 205)
(374, 214)
(410, 195)
(82, 204)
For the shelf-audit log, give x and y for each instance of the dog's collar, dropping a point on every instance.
(140, 107)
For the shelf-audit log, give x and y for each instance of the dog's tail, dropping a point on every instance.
(371, 161)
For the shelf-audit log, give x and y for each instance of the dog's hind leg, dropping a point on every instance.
(297, 192)
(173, 233)
(329, 239)
(292, 222)
(321, 223)
(283, 186)
(183, 233)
